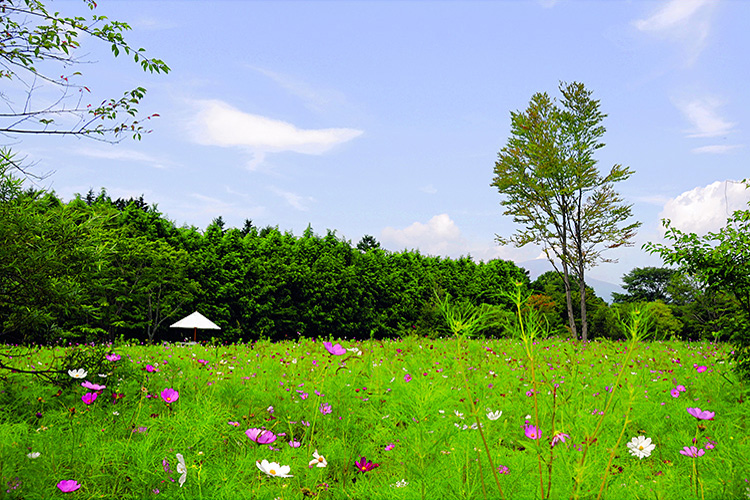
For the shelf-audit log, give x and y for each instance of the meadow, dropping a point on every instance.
(413, 418)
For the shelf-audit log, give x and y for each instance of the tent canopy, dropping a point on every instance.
(196, 320)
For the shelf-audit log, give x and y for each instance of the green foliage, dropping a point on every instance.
(646, 284)
(550, 285)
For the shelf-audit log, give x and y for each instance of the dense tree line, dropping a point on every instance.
(96, 268)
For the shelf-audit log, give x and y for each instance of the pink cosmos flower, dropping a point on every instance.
(560, 437)
(407, 378)
(294, 444)
(151, 368)
(88, 398)
(260, 436)
(235, 424)
(700, 368)
(170, 395)
(680, 388)
(93, 387)
(710, 445)
(334, 349)
(112, 357)
(675, 392)
(503, 469)
(692, 451)
(325, 408)
(390, 446)
(364, 466)
(532, 432)
(701, 414)
(68, 485)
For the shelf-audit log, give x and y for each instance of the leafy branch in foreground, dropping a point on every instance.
(34, 44)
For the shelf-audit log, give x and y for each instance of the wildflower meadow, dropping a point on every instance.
(415, 418)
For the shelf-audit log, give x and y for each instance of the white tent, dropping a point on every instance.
(195, 321)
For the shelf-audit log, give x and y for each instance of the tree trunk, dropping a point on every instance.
(584, 320)
(569, 300)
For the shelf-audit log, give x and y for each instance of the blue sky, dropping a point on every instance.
(386, 117)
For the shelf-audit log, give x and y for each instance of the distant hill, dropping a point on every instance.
(603, 289)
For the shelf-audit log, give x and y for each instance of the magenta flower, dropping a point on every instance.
(531, 431)
(235, 424)
(700, 368)
(692, 451)
(710, 445)
(364, 466)
(560, 437)
(260, 436)
(334, 349)
(407, 378)
(151, 368)
(113, 357)
(68, 485)
(88, 398)
(170, 395)
(503, 469)
(325, 408)
(93, 387)
(701, 415)
(680, 388)
(390, 446)
(294, 444)
(675, 392)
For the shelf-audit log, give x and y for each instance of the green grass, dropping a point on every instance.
(374, 406)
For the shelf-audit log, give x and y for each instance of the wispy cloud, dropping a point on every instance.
(439, 236)
(685, 21)
(703, 115)
(717, 149)
(314, 99)
(295, 200)
(122, 154)
(216, 123)
(705, 208)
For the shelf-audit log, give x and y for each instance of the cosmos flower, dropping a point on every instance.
(503, 469)
(260, 436)
(531, 431)
(89, 397)
(364, 466)
(407, 378)
(701, 415)
(641, 446)
(93, 387)
(33, 455)
(334, 349)
(273, 468)
(494, 415)
(79, 373)
(235, 424)
(675, 392)
(389, 447)
(700, 368)
(560, 437)
(68, 485)
(181, 469)
(325, 408)
(318, 460)
(692, 451)
(294, 444)
(170, 395)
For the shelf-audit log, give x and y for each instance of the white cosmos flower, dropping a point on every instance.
(494, 415)
(274, 469)
(79, 373)
(641, 446)
(318, 460)
(33, 454)
(181, 469)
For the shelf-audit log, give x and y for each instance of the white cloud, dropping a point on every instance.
(703, 114)
(685, 21)
(705, 209)
(123, 154)
(315, 99)
(218, 124)
(440, 236)
(717, 149)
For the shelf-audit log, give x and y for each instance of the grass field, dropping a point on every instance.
(390, 419)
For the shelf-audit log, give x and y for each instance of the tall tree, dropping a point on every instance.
(552, 187)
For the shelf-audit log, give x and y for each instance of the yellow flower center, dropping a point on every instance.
(640, 447)
(272, 472)
(320, 459)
